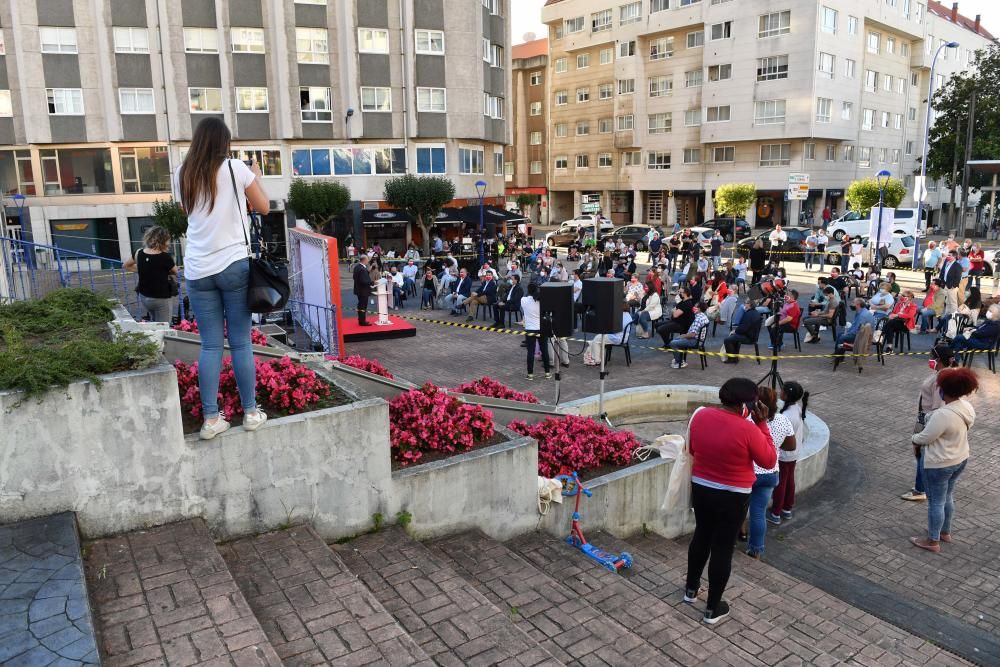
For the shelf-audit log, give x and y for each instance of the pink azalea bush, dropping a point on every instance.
(364, 364)
(487, 386)
(429, 420)
(283, 388)
(257, 337)
(576, 443)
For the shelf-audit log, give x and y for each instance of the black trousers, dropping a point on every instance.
(733, 343)
(668, 329)
(530, 342)
(363, 306)
(718, 516)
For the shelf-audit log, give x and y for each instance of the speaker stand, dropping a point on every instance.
(558, 374)
(601, 414)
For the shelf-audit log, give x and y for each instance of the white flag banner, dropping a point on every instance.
(881, 232)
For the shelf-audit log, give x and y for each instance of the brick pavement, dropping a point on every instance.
(165, 596)
(447, 617)
(312, 608)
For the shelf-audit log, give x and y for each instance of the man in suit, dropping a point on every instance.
(485, 295)
(462, 290)
(511, 302)
(362, 288)
(951, 274)
(749, 325)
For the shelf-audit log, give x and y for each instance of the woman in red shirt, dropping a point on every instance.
(724, 445)
(902, 318)
(976, 261)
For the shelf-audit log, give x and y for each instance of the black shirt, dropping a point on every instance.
(153, 271)
(686, 307)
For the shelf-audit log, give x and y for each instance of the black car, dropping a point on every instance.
(630, 234)
(795, 243)
(725, 225)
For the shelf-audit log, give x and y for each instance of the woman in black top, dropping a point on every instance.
(681, 318)
(155, 267)
(758, 257)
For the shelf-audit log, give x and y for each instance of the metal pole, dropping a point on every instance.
(927, 132)
(968, 156)
(481, 251)
(878, 230)
(954, 174)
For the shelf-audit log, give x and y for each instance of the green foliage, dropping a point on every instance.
(403, 519)
(863, 194)
(64, 338)
(168, 214)
(526, 201)
(378, 520)
(951, 106)
(732, 200)
(318, 202)
(420, 196)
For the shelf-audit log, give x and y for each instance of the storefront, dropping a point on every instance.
(771, 208)
(388, 227)
(449, 225)
(496, 220)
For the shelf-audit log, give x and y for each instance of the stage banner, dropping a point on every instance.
(314, 275)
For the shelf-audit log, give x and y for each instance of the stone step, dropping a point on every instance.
(446, 615)
(45, 615)
(165, 596)
(562, 622)
(803, 612)
(312, 608)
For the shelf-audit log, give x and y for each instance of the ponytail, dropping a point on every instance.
(794, 393)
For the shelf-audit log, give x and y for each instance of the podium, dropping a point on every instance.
(382, 295)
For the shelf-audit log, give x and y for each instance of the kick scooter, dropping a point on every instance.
(572, 486)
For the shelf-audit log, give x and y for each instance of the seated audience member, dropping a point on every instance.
(688, 340)
(823, 317)
(745, 332)
(862, 316)
(902, 318)
(882, 303)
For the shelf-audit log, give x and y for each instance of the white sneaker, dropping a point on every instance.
(254, 421)
(674, 364)
(209, 431)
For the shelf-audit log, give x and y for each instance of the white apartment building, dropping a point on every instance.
(99, 99)
(652, 104)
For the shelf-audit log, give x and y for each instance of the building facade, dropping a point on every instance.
(527, 156)
(99, 99)
(655, 103)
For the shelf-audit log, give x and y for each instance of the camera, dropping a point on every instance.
(768, 288)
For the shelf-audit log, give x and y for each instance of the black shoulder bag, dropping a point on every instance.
(268, 290)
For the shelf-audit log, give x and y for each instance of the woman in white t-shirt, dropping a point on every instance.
(533, 335)
(794, 401)
(214, 192)
(783, 438)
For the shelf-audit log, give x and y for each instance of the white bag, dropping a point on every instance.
(678, 493)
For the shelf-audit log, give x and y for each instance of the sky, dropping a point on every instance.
(528, 13)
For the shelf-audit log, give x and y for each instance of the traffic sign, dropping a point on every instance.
(798, 179)
(798, 192)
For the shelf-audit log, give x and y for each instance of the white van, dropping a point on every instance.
(904, 222)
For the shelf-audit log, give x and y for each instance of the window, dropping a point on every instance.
(909, 147)
(874, 41)
(582, 95)
(583, 61)
(130, 40)
(251, 100)
(895, 156)
(775, 155)
(901, 85)
(535, 79)
(660, 123)
(904, 49)
(535, 109)
(470, 160)
(847, 110)
(560, 65)
(724, 154)
(848, 153)
(498, 168)
(850, 68)
(65, 101)
(205, 100)
(657, 160)
(310, 2)
(890, 45)
(371, 40)
(494, 6)
(658, 5)
(768, 112)
(6, 109)
(692, 155)
(721, 114)
(630, 13)
(600, 21)
(315, 105)
(247, 40)
(583, 162)
(607, 56)
(809, 151)
(887, 83)
(626, 49)
(694, 78)
(136, 101)
(496, 55)
(772, 25)
(696, 39)
(868, 119)
(604, 160)
(852, 25)
(720, 72)
(562, 98)
(660, 86)
(826, 64)
(692, 117)
(828, 20)
(582, 128)
(660, 48)
(865, 157)
(147, 169)
(897, 121)
(824, 109)
(625, 122)
(632, 158)
(871, 80)
(432, 100)
(349, 161)
(605, 125)
(574, 25)
(626, 86)
(912, 114)
(430, 160)
(884, 119)
(312, 45)
(376, 99)
(493, 106)
(201, 40)
(919, 12)
(429, 42)
(76, 171)
(605, 91)
(722, 30)
(561, 162)
(57, 40)
(561, 130)
(772, 68)
(535, 167)
(831, 153)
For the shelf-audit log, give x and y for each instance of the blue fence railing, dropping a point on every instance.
(319, 323)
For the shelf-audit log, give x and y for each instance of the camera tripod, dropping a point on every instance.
(773, 376)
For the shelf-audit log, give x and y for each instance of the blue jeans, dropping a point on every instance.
(427, 298)
(940, 484)
(220, 302)
(918, 483)
(645, 323)
(716, 262)
(808, 259)
(683, 344)
(844, 259)
(760, 496)
(821, 255)
(925, 319)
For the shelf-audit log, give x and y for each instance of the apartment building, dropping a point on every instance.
(655, 103)
(527, 156)
(99, 99)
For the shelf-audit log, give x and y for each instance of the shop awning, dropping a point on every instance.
(383, 216)
(491, 214)
(449, 216)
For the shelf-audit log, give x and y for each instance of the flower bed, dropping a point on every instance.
(487, 386)
(427, 421)
(577, 443)
(364, 364)
(257, 337)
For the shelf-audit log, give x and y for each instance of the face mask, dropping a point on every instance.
(932, 364)
(854, 308)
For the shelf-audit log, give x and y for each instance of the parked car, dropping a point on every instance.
(569, 230)
(899, 251)
(794, 243)
(630, 234)
(856, 224)
(725, 225)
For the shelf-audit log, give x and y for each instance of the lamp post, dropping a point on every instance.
(882, 178)
(481, 190)
(922, 191)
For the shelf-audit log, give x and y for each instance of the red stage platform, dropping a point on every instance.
(354, 333)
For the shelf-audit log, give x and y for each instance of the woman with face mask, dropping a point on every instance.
(882, 302)
(984, 336)
(929, 400)
(902, 318)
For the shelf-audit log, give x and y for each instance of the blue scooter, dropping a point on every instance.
(572, 486)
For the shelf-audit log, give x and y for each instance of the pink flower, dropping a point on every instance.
(576, 443)
(487, 386)
(427, 419)
(361, 363)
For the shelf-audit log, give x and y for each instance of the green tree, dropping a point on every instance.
(422, 197)
(167, 213)
(951, 107)
(526, 201)
(318, 202)
(863, 194)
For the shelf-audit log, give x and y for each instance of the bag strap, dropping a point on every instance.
(236, 194)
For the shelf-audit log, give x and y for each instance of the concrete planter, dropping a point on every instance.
(186, 346)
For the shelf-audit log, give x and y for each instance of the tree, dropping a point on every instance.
(526, 201)
(318, 202)
(422, 197)
(863, 194)
(167, 213)
(951, 108)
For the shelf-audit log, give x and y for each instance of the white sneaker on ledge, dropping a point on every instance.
(252, 422)
(211, 429)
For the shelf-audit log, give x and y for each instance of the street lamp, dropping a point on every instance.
(481, 190)
(882, 178)
(922, 188)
